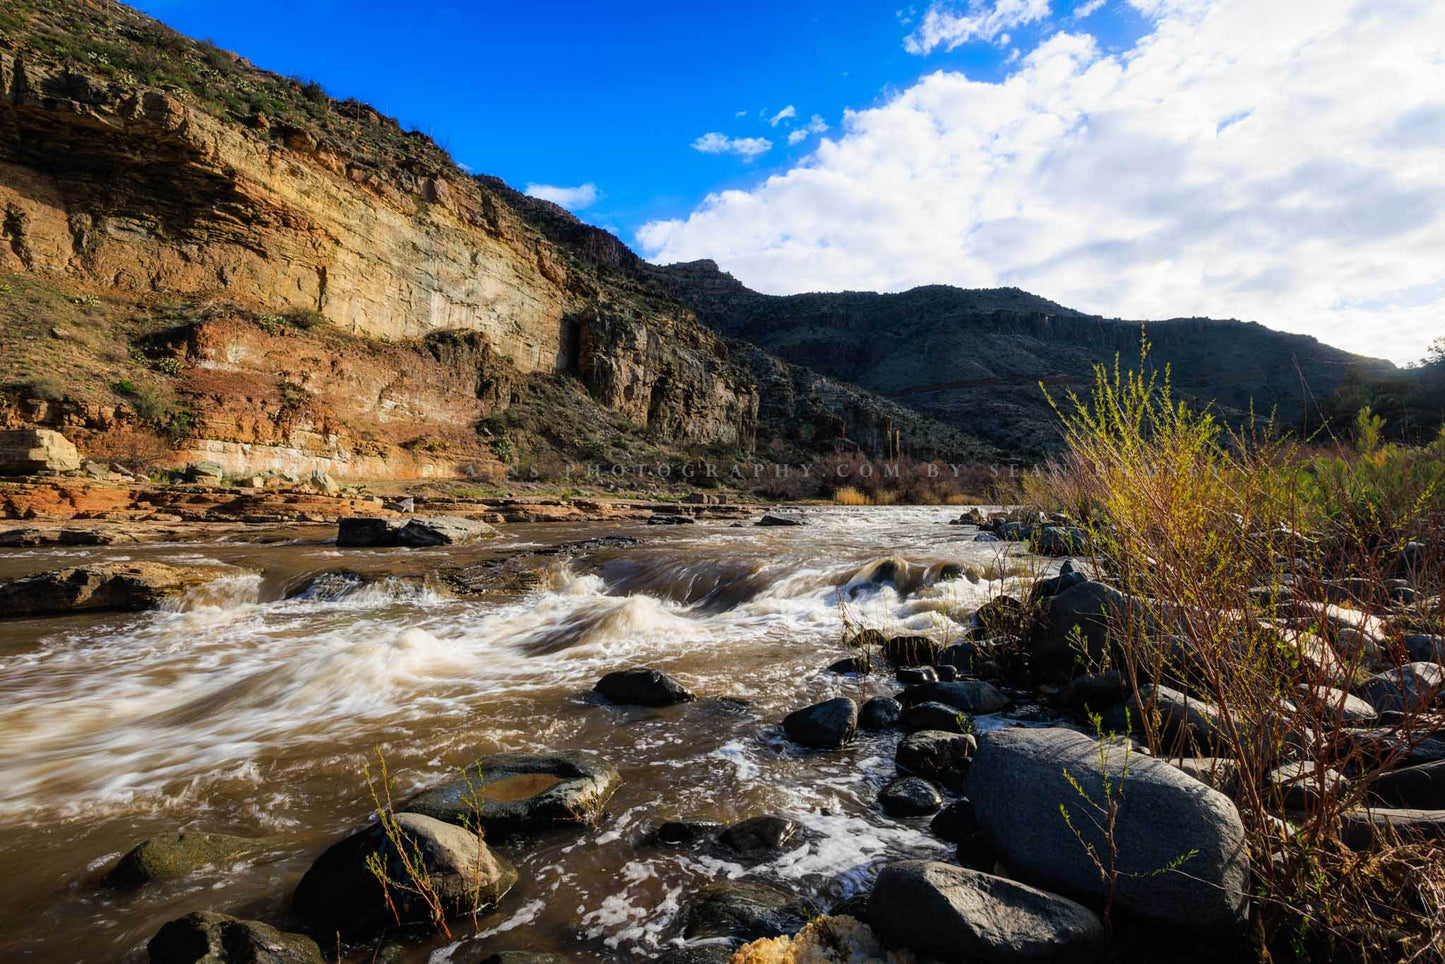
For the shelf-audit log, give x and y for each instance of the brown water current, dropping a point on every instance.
(252, 706)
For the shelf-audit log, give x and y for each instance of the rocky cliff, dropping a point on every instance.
(142, 165)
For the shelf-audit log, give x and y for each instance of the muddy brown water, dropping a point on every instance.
(252, 707)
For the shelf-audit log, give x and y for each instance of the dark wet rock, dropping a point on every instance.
(911, 651)
(949, 572)
(174, 855)
(867, 639)
(946, 673)
(1406, 688)
(967, 657)
(761, 835)
(779, 520)
(1061, 541)
(936, 755)
(1362, 827)
(1424, 648)
(934, 716)
(955, 822)
(366, 531)
(684, 833)
(825, 725)
(879, 713)
(210, 938)
(642, 687)
(851, 666)
(1094, 692)
(1299, 784)
(1053, 585)
(986, 537)
(341, 895)
(910, 675)
(1001, 616)
(744, 911)
(1020, 778)
(1419, 787)
(910, 797)
(522, 571)
(670, 519)
(971, 696)
(958, 914)
(101, 586)
(854, 906)
(704, 952)
(1087, 607)
(520, 791)
(442, 530)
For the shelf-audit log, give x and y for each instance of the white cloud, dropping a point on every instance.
(1088, 9)
(1272, 162)
(572, 198)
(745, 147)
(815, 125)
(740, 113)
(950, 25)
(783, 115)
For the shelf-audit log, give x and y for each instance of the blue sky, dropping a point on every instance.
(1279, 162)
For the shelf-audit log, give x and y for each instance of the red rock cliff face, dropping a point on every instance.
(109, 182)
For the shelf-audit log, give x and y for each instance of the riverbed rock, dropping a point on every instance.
(879, 713)
(209, 938)
(684, 833)
(936, 755)
(1419, 787)
(1087, 608)
(1192, 721)
(956, 914)
(825, 725)
(1337, 704)
(102, 586)
(670, 519)
(31, 450)
(1020, 778)
(642, 687)
(367, 531)
(1298, 783)
(934, 716)
(744, 911)
(912, 675)
(205, 472)
(969, 695)
(442, 530)
(516, 957)
(521, 792)
(1424, 648)
(171, 856)
(341, 895)
(1408, 688)
(779, 520)
(910, 797)
(1061, 541)
(1363, 827)
(851, 666)
(911, 651)
(761, 835)
(956, 822)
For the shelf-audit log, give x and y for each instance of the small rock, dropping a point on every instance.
(1298, 783)
(1419, 787)
(970, 696)
(209, 938)
(935, 716)
(946, 674)
(936, 755)
(642, 687)
(910, 797)
(759, 835)
(959, 914)
(1407, 688)
(955, 822)
(670, 519)
(32, 450)
(879, 713)
(684, 833)
(745, 911)
(825, 725)
(205, 471)
(911, 651)
(851, 666)
(174, 855)
(910, 675)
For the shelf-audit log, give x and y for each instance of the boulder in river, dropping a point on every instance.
(825, 725)
(765, 834)
(367, 531)
(910, 797)
(442, 530)
(851, 666)
(512, 792)
(779, 520)
(955, 822)
(744, 911)
(1181, 848)
(101, 586)
(934, 716)
(170, 856)
(340, 894)
(1087, 607)
(879, 713)
(210, 938)
(642, 687)
(956, 914)
(969, 695)
(911, 651)
(911, 675)
(936, 755)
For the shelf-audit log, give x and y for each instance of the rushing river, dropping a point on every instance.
(251, 707)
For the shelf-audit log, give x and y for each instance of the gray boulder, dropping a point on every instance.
(1077, 615)
(911, 651)
(642, 687)
(1180, 717)
(956, 914)
(1408, 688)
(1061, 541)
(1021, 777)
(825, 725)
(779, 520)
(969, 695)
(442, 530)
(341, 895)
(171, 856)
(210, 938)
(512, 792)
(1424, 648)
(910, 797)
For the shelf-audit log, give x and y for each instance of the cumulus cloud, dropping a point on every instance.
(1088, 9)
(815, 125)
(783, 115)
(745, 147)
(951, 25)
(571, 198)
(1272, 162)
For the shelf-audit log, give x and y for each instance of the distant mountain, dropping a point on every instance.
(973, 358)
